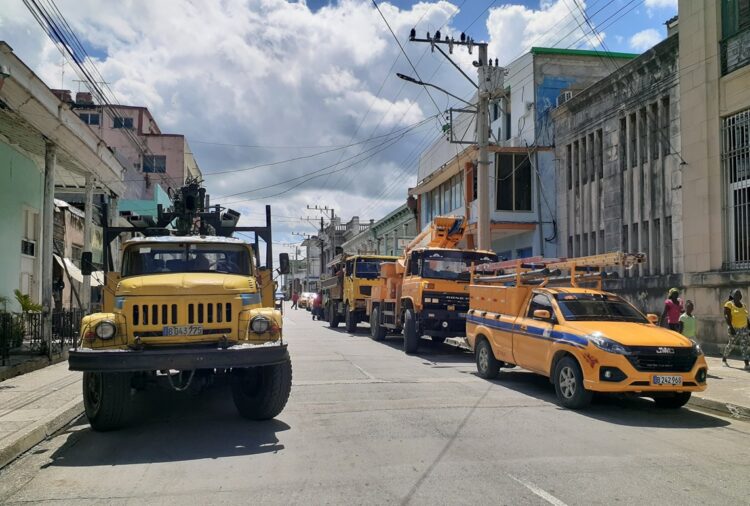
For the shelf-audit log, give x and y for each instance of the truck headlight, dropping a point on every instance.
(606, 344)
(260, 324)
(105, 329)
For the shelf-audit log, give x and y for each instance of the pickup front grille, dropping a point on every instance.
(659, 359)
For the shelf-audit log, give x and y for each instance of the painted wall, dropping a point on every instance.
(146, 207)
(21, 186)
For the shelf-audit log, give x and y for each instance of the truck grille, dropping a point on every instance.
(365, 290)
(167, 314)
(460, 301)
(646, 359)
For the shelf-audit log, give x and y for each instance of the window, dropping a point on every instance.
(633, 141)
(735, 17)
(735, 159)
(569, 165)
(435, 202)
(457, 189)
(76, 252)
(90, 118)
(505, 255)
(28, 248)
(155, 163)
(642, 135)
(656, 264)
(591, 152)
(622, 152)
(120, 122)
(160, 258)
(600, 153)
(524, 252)
(653, 131)
(513, 188)
(539, 301)
(575, 164)
(445, 190)
(585, 150)
(666, 148)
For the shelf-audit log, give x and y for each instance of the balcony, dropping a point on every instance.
(735, 52)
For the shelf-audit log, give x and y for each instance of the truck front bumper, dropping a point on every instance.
(182, 359)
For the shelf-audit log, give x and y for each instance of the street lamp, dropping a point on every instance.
(422, 83)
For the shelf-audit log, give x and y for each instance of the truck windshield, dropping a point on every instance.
(442, 264)
(367, 268)
(162, 258)
(597, 307)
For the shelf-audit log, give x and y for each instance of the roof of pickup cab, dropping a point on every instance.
(198, 239)
(571, 290)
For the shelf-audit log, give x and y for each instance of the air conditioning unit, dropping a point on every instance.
(563, 97)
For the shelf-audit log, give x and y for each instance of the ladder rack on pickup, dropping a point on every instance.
(540, 271)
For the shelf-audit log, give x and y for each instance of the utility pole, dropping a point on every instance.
(484, 92)
(326, 210)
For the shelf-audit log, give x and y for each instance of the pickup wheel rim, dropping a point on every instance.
(484, 358)
(94, 390)
(567, 381)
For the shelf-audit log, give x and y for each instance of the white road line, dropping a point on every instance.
(539, 492)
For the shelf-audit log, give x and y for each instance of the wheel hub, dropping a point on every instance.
(567, 382)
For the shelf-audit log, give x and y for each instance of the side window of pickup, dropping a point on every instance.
(539, 301)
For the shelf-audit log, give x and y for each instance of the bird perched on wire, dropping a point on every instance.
(412, 34)
(463, 37)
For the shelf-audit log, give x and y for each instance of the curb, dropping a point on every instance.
(724, 408)
(30, 366)
(39, 431)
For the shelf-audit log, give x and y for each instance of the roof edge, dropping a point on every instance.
(582, 52)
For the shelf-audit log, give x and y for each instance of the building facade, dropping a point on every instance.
(522, 160)
(387, 236)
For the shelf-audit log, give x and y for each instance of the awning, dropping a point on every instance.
(66, 264)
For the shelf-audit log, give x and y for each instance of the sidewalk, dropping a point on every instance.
(34, 406)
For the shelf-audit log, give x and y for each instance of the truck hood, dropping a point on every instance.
(196, 283)
(632, 334)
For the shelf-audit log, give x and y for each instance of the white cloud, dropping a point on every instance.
(655, 4)
(557, 23)
(645, 39)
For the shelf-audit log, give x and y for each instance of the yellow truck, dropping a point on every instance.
(186, 310)
(350, 282)
(426, 292)
(553, 318)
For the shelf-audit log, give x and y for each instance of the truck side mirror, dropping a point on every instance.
(542, 314)
(283, 263)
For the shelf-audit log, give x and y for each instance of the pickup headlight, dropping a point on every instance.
(260, 324)
(697, 348)
(105, 330)
(606, 344)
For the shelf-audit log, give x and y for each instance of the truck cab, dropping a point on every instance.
(583, 339)
(350, 282)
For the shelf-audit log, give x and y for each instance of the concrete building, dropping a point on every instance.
(44, 149)
(522, 165)
(714, 66)
(387, 236)
(619, 172)
(313, 264)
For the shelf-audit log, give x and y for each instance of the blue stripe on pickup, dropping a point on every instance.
(531, 331)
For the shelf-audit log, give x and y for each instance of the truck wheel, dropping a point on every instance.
(568, 382)
(333, 316)
(488, 366)
(350, 324)
(675, 401)
(260, 393)
(106, 399)
(411, 339)
(377, 332)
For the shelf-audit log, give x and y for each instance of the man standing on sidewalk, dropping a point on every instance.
(672, 310)
(736, 316)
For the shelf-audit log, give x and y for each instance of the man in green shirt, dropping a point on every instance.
(687, 321)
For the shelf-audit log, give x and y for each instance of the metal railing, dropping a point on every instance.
(735, 52)
(23, 333)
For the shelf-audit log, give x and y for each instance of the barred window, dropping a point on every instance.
(735, 158)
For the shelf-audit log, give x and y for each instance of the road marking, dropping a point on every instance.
(539, 492)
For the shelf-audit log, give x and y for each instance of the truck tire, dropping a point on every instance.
(411, 339)
(260, 393)
(106, 399)
(377, 332)
(333, 316)
(488, 366)
(568, 380)
(350, 322)
(675, 401)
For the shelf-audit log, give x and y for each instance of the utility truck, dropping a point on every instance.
(426, 291)
(349, 282)
(189, 305)
(551, 316)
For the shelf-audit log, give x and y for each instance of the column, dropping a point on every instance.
(48, 222)
(87, 222)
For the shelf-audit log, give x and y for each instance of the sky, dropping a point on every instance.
(297, 104)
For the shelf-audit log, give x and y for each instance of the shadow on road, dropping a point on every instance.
(171, 427)
(617, 409)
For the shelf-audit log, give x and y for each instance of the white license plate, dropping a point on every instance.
(183, 330)
(666, 380)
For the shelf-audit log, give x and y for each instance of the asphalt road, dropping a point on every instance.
(368, 424)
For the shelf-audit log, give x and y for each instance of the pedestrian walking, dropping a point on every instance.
(736, 316)
(672, 310)
(687, 321)
(295, 298)
(317, 306)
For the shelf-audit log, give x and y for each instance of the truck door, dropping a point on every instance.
(532, 336)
